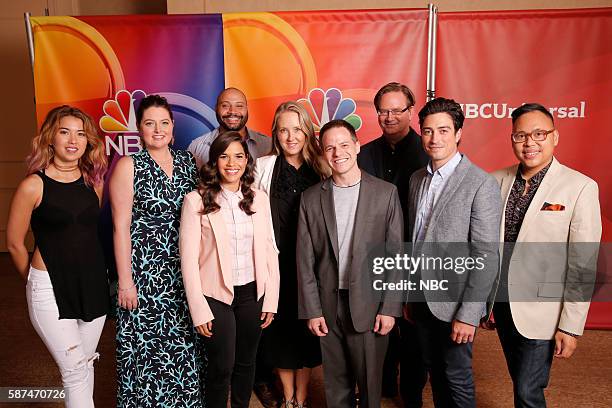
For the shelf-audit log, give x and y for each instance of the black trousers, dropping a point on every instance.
(529, 360)
(264, 372)
(350, 358)
(233, 347)
(449, 364)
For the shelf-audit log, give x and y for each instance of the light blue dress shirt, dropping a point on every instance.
(432, 189)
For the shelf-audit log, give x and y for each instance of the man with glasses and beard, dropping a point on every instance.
(232, 114)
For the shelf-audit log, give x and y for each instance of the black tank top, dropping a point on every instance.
(65, 227)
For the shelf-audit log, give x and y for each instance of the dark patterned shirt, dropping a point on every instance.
(518, 203)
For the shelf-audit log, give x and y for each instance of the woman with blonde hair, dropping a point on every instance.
(293, 166)
(67, 285)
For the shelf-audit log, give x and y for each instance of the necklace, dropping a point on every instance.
(162, 162)
(349, 186)
(65, 169)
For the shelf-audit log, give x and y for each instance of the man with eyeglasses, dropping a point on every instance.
(551, 228)
(393, 157)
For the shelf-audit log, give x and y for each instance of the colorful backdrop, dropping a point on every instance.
(494, 61)
(334, 62)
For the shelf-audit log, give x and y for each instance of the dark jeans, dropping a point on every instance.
(404, 348)
(528, 360)
(449, 364)
(232, 348)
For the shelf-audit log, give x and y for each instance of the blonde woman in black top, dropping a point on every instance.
(293, 165)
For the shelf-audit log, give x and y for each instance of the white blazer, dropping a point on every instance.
(264, 167)
(546, 275)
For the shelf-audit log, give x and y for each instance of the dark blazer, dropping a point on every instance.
(412, 156)
(378, 221)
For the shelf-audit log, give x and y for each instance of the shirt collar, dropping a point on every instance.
(448, 168)
(536, 178)
(249, 138)
(403, 143)
(231, 195)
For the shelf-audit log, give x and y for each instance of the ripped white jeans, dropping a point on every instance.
(71, 342)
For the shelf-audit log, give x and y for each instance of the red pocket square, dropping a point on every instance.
(552, 207)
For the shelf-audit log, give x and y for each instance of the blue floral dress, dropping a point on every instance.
(158, 355)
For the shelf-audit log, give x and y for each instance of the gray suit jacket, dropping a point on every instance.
(468, 211)
(378, 221)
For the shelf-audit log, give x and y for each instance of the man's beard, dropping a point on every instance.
(224, 126)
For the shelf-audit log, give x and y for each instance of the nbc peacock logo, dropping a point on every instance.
(120, 113)
(323, 106)
(119, 123)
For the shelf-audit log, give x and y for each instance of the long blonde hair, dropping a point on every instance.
(93, 162)
(311, 153)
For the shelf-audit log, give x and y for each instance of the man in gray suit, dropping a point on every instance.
(341, 220)
(452, 201)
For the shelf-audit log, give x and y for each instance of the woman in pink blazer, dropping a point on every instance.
(230, 268)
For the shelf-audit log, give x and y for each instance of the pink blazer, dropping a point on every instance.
(206, 259)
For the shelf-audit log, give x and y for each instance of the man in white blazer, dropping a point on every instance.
(551, 225)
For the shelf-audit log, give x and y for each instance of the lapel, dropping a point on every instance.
(217, 224)
(363, 210)
(448, 192)
(506, 186)
(543, 191)
(275, 170)
(414, 205)
(329, 213)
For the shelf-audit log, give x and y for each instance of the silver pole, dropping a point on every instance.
(431, 51)
(30, 38)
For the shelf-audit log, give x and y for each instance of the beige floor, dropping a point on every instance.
(583, 381)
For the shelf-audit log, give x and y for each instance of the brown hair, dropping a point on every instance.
(394, 87)
(210, 180)
(93, 162)
(337, 123)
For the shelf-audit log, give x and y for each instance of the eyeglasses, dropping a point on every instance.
(537, 135)
(393, 112)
